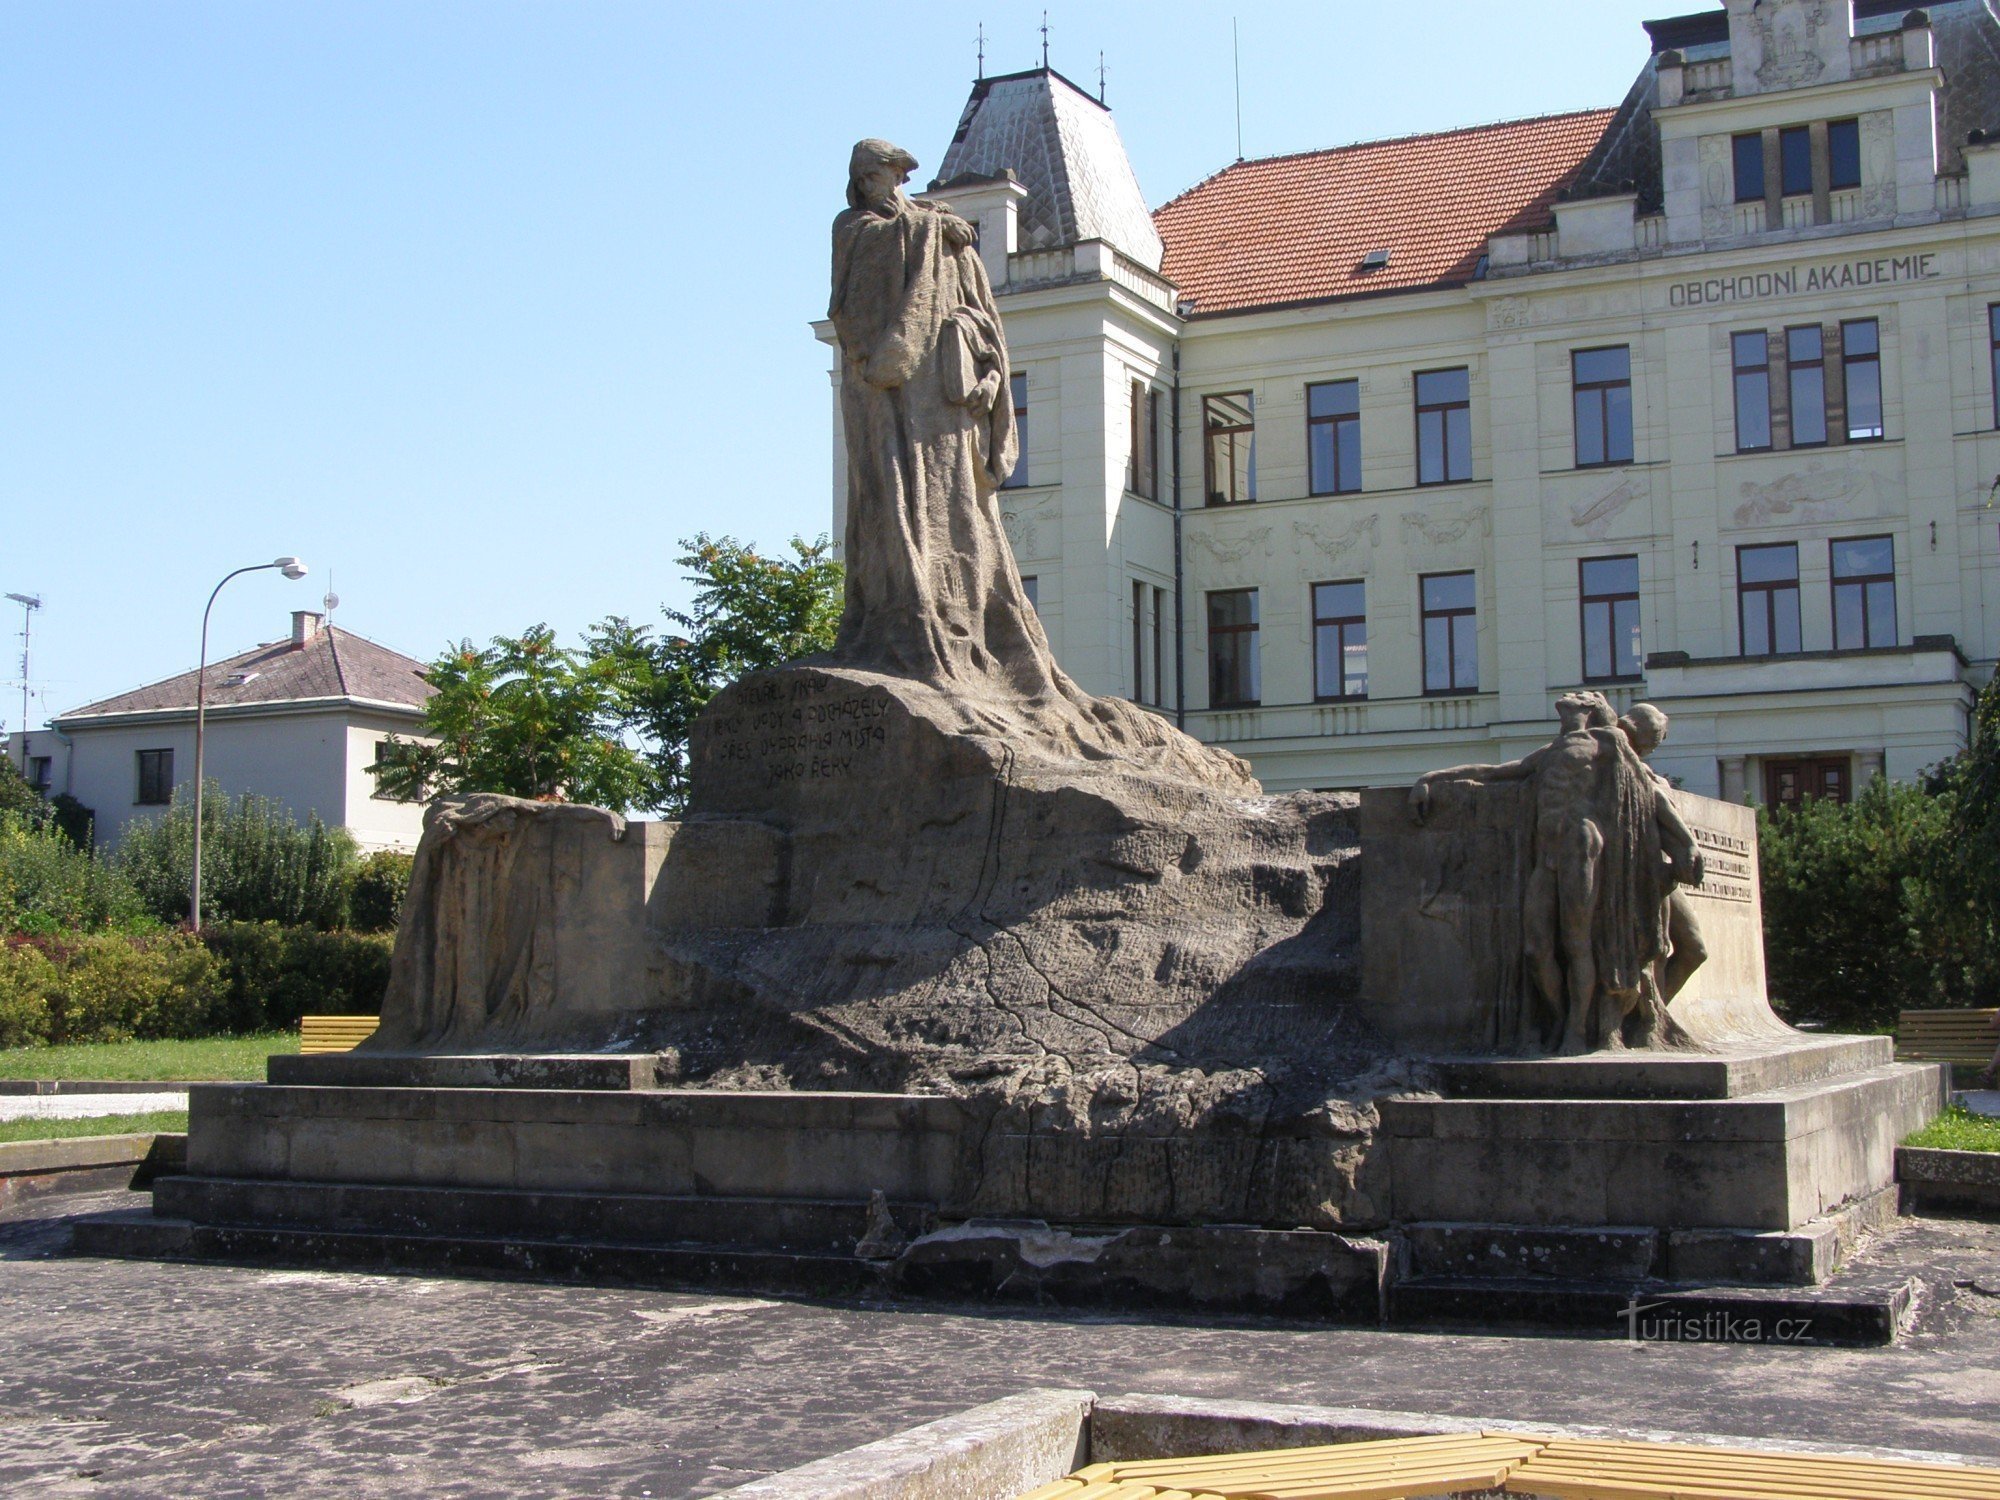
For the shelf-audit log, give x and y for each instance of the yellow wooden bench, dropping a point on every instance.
(335, 1033)
(1967, 1037)
(1555, 1468)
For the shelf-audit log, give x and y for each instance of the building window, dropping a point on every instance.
(1610, 590)
(41, 772)
(1139, 638)
(1601, 383)
(1993, 357)
(1861, 370)
(1750, 359)
(381, 758)
(1333, 437)
(1843, 154)
(156, 778)
(1864, 593)
(1767, 598)
(1805, 372)
(1032, 587)
(1143, 475)
(1018, 385)
(1451, 633)
(1795, 160)
(1749, 152)
(1159, 655)
(1233, 679)
(1340, 640)
(1444, 426)
(1230, 423)
(1787, 783)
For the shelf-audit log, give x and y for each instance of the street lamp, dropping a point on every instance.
(292, 568)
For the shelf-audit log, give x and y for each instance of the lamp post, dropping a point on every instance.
(292, 568)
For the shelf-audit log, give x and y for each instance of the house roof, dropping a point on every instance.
(1064, 148)
(1292, 229)
(332, 664)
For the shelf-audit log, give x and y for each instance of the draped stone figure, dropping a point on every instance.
(1605, 851)
(933, 592)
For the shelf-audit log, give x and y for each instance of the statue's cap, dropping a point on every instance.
(879, 153)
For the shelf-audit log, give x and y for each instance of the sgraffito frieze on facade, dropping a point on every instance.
(1228, 548)
(1816, 494)
(1594, 516)
(1335, 542)
(1442, 527)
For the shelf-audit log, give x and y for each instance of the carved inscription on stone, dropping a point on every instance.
(798, 731)
(1728, 875)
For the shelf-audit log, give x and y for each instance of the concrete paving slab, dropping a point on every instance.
(130, 1378)
(1981, 1101)
(87, 1106)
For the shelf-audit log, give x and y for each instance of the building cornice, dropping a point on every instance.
(71, 723)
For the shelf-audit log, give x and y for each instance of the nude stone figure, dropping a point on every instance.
(1606, 849)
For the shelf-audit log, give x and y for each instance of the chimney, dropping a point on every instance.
(306, 624)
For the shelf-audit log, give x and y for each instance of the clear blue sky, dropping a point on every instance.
(483, 306)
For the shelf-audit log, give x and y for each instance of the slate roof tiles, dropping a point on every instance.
(1295, 229)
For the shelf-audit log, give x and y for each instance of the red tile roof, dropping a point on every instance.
(333, 664)
(1291, 229)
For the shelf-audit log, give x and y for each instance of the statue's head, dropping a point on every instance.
(1645, 726)
(876, 172)
(1575, 711)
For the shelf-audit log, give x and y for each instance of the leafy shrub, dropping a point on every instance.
(273, 975)
(48, 884)
(73, 820)
(27, 979)
(375, 898)
(257, 863)
(1854, 929)
(110, 988)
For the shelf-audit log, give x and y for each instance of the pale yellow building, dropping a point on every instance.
(1354, 460)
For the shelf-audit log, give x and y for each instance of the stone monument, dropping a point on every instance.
(955, 977)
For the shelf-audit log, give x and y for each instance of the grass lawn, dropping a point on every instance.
(162, 1122)
(222, 1057)
(1959, 1129)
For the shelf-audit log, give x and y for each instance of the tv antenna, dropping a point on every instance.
(330, 600)
(1100, 78)
(29, 604)
(1045, 39)
(982, 49)
(1236, 53)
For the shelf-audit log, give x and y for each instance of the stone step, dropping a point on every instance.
(1622, 1255)
(616, 1072)
(705, 1267)
(1767, 1161)
(1867, 1316)
(1756, 1068)
(788, 1224)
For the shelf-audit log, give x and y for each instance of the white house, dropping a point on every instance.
(298, 720)
(1353, 460)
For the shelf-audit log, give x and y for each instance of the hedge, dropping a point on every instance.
(234, 978)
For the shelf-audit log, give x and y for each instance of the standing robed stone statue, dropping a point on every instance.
(933, 592)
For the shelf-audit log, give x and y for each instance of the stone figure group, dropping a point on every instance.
(1607, 933)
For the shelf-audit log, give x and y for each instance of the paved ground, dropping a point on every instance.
(137, 1379)
(1981, 1101)
(86, 1106)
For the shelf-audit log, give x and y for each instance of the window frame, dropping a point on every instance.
(1787, 134)
(1584, 600)
(1849, 363)
(1442, 410)
(1601, 389)
(41, 773)
(152, 766)
(1253, 675)
(1993, 356)
(1339, 625)
(1017, 392)
(1849, 122)
(1863, 582)
(1737, 374)
(1793, 365)
(1159, 644)
(1737, 143)
(1335, 423)
(1139, 640)
(1425, 614)
(1811, 773)
(1212, 498)
(1768, 589)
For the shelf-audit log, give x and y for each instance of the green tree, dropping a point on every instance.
(16, 796)
(1853, 926)
(48, 884)
(258, 864)
(526, 717)
(750, 612)
(1965, 873)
